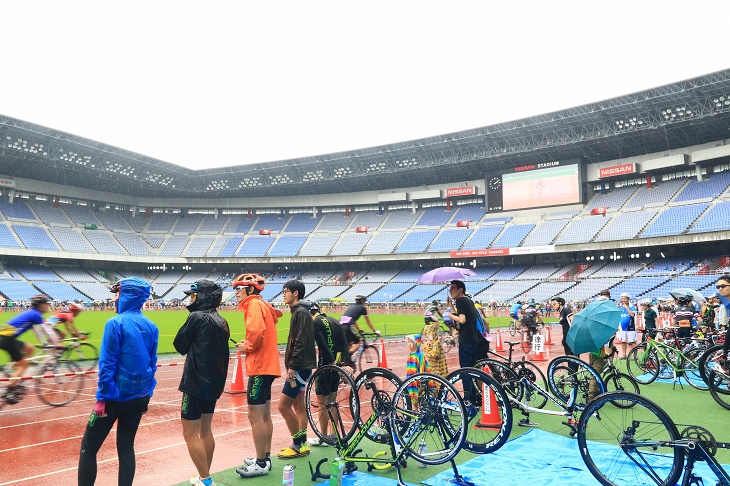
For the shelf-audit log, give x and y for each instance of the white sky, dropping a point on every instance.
(220, 83)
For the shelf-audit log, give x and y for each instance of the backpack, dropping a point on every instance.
(481, 325)
(528, 319)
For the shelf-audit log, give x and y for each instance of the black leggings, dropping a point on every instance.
(128, 414)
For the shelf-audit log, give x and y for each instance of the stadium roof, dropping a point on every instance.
(691, 112)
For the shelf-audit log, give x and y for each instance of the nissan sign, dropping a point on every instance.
(461, 191)
(616, 170)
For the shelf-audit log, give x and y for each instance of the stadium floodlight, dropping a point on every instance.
(649, 254)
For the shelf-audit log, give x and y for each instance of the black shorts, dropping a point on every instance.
(293, 390)
(349, 335)
(192, 408)
(259, 389)
(13, 346)
(327, 382)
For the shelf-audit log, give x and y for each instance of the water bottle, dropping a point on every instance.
(422, 451)
(337, 471)
(288, 479)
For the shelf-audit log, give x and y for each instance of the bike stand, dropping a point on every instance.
(458, 478)
(350, 468)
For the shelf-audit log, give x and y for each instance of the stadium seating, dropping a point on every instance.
(711, 187)
(334, 222)
(581, 230)
(49, 215)
(199, 246)
(416, 241)
(717, 218)
(383, 243)
(612, 199)
(8, 239)
(513, 235)
(273, 222)
(659, 195)
(104, 242)
(187, 225)
(400, 219)
(80, 215)
(433, 217)
(255, 246)
(174, 245)
(34, 237)
(301, 223)
(674, 221)
(371, 219)
(71, 240)
(19, 210)
(450, 240)
(133, 244)
(211, 225)
(113, 221)
(287, 245)
(482, 237)
(625, 226)
(545, 232)
(350, 244)
(468, 212)
(318, 245)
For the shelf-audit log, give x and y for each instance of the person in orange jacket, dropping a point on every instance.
(262, 367)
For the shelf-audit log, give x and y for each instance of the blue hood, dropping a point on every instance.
(133, 293)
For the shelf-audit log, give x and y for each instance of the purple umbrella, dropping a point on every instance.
(445, 273)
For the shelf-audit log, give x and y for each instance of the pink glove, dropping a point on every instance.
(100, 409)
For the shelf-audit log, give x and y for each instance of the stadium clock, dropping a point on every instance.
(495, 183)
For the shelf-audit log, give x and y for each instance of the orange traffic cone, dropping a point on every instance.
(237, 378)
(498, 346)
(490, 418)
(548, 340)
(383, 360)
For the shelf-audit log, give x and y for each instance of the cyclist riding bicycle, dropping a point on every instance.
(515, 310)
(531, 316)
(349, 319)
(66, 317)
(18, 350)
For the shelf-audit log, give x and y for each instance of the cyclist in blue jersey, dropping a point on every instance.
(19, 350)
(515, 310)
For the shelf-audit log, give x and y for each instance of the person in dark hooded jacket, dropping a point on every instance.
(127, 365)
(204, 339)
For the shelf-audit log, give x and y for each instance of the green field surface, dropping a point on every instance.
(169, 321)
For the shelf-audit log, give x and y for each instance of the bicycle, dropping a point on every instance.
(56, 381)
(85, 354)
(444, 335)
(569, 380)
(528, 332)
(437, 418)
(523, 368)
(514, 326)
(634, 442)
(367, 354)
(653, 359)
(616, 380)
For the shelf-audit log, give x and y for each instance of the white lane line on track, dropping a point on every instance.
(142, 424)
(112, 459)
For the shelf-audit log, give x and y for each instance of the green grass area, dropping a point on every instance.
(169, 322)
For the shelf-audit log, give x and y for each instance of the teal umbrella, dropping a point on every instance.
(593, 326)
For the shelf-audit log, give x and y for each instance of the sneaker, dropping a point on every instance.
(250, 461)
(194, 479)
(254, 469)
(290, 453)
(199, 482)
(316, 442)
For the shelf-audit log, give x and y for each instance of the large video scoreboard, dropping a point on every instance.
(535, 186)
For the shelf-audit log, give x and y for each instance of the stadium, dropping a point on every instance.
(628, 194)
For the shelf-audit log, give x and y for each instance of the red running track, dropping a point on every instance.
(39, 445)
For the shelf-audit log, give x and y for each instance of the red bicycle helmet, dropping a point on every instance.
(249, 280)
(75, 308)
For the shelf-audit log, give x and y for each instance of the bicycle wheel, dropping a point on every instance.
(618, 381)
(489, 416)
(438, 418)
(330, 400)
(691, 368)
(63, 383)
(666, 366)
(570, 380)
(513, 327)
(505, 375)
(533, 374)
(447, 341)
(375, 388)
(707, 361)
(369, 357)
(642, 364)
(3, 386)
(86, 355)
(526, 341)
(625, 443)
(720, 388)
